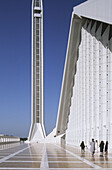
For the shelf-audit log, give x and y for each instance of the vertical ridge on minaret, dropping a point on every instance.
(37, 131)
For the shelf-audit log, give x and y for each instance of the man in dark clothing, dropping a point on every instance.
(101, 148)
(106, 148)
(82, 147)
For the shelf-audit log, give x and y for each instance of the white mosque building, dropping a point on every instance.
(85, 107)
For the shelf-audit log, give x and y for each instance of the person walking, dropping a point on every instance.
(96, 145)
(92, 148)
(106, 148)
(82, 147)
(101, 148)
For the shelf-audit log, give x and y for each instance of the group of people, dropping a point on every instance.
(94, 146)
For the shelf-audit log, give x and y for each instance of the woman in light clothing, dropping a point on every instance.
(96, 145)
(92, 148)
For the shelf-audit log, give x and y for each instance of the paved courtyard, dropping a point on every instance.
(50, 156)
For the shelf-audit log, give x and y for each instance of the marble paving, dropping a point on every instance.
(50, 157)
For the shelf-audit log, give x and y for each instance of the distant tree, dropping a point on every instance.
(23, 139)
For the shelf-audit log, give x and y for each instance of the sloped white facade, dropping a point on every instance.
(87, 80)
(96, 9)
(91, 103)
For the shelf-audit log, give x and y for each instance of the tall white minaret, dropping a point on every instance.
(37, 131)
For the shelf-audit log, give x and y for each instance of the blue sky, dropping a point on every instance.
(15, 58)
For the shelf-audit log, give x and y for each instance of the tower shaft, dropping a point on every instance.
(37, 97)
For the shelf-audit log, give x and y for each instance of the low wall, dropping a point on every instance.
(9, 139)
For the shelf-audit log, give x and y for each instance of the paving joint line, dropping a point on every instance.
(44, 162)
(12, 155)
(82, 159)
(20, 168)
(56, 168)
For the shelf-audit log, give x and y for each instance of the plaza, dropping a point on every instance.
(85, 105)
(40, 156)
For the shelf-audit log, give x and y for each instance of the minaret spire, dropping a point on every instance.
(37, 131)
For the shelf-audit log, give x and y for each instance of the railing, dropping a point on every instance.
(9, 139)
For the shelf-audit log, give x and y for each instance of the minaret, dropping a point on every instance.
(37, 131)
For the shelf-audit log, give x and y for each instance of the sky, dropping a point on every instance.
(15, 62)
